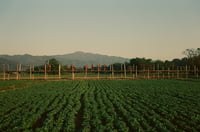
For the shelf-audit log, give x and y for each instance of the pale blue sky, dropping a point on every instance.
(158, 29)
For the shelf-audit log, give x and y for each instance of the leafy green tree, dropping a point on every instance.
(118, 66)
(141, 63)
(158, 64)
(52, 64)
(193, 56)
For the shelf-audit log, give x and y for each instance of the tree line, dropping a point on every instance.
(191, 59)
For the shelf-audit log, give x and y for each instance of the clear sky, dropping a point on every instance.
(157, 29)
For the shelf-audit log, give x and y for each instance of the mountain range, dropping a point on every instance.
(78, 58)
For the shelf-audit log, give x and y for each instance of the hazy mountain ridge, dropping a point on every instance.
(79, 59)
(6, 61)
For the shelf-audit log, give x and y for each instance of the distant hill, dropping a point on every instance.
(6, 61)
(79, 59)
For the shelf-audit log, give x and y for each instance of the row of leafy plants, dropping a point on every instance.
(140, 105)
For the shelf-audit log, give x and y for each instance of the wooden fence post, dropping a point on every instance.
(186, 71)
(112, 72)
(125, 71)
(8, 72)
(130, 71)
(144, 72)
(163, 72)
(98, 70)
(59, 71)
(45, 71)
(173, 71)
(154, 70)
(17, 76)
(30, 72)
(168, 72)
(136, 71)
(133, 70)
(4, 72)
(177, 72)
(158, 71)
(121, 71)
(72, 68)
(20, 69)
(33, 72)
(180, 72)
(86, 69)
(194, 70)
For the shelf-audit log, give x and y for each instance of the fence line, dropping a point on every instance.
(21, 72)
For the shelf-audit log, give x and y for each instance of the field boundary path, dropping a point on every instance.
(18, 86)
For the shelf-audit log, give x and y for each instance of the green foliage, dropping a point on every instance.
(53, 64)
(140, 105)
(192, 59)
(141, 62)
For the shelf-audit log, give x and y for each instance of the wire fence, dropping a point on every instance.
(29, 72)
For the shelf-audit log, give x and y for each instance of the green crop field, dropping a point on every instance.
(125, 105)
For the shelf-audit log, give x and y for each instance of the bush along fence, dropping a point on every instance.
(122, 71)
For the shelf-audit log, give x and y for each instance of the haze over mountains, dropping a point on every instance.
(79, 59)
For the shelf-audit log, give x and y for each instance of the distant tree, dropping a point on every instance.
(117, 66)
(158, 64)
(141, 63)
(190, 53)
(177, 62)
(52, 64)
(38, 68)
(196, 61)
(198, 51)
(193, 56)
(184, 61)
